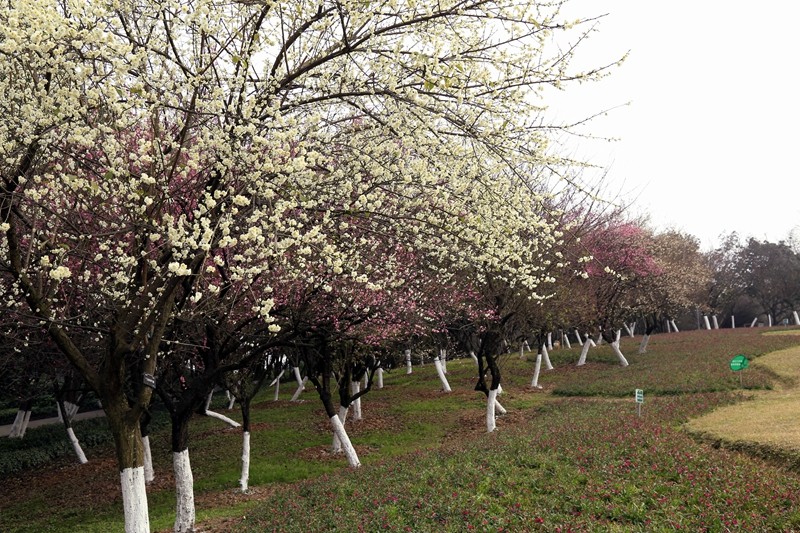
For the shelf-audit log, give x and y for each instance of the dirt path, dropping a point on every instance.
(770, 417)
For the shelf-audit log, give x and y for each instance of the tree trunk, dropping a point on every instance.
(355, 388)
(565, 340)
(218, 416)
(578, 336)
(733, 322)
(184, 482)
(243, 480)
(336, 445)
(549, 343)
(490, 408)
(408, 362)
(245, 461)
(537, 369)
(443, 359)
(300, 389)
(643, 344)
(20, 424)
(714, 321)
(130, 458)
(584, 351)
(546, 357)
(473, 356)
(184, 492)
(347, 446)
(675, 327)
(379, 375)
(66, 419)
(616, 350)
(705, 322)
(440, 372)
(147, 456)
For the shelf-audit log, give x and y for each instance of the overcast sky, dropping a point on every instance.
(709, 143)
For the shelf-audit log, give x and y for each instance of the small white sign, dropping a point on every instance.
(639, 396)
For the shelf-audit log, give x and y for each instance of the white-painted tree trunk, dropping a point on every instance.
(549, 341)
(705, 322)
(753, 323)
(76, 446)
(440, 372)
(336, 445)
(537, 369)
(24, 427)
(628, 330)
(618, 336)
(134, 500)
(297, 376)
(584, 351)
(346, 445)
(379, 378)
(443, 359)
(277, 383)
(408, 362)
(184, 492)
(714, 321)
(149, 473)
(15, 427)
(498, 407)
(796, 318)
(355, 388)
(599, 340)
(618, 352)
(769, 320)
(668, 327)
(245, 461)
(208, 399)
(546, 357)
(70, 408)
(633, 328)
(675, 327)
(218, 416)
(578, 337)
(299, 390)
(231, 401)
(733, 322)
(565, 341)
(643, 344)
(474, 357)
(490, 406)
(590, 341)
(521, 351)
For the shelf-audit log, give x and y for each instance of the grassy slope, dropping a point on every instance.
(577, 458)
(775, 410)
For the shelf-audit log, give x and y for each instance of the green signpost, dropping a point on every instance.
(639, 395)
(738, 363)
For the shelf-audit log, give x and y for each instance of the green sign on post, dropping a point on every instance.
(740, 362)
(639, 395)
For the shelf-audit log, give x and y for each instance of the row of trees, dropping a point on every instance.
(198, 193)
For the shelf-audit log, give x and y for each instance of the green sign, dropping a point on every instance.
(639, 396)
(739, 362)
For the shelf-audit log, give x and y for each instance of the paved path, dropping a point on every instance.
(5, 430)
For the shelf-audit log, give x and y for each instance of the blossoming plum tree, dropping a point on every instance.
(140, 140)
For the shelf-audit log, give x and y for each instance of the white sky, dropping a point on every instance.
(709, 143)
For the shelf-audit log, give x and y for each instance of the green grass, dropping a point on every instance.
(573, 455)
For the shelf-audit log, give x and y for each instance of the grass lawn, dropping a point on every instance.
(572, 456)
